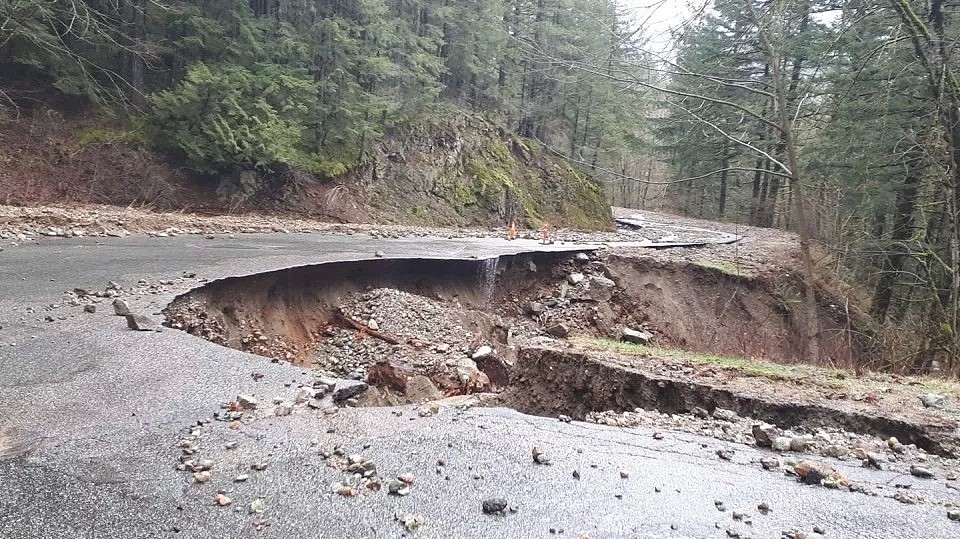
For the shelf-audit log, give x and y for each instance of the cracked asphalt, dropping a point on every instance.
(91, 414)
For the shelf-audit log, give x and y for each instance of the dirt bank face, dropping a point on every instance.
(320, 315)
(552, 381)
(709, 307)
(543, 332)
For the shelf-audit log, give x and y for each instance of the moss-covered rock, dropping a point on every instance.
(464, 170)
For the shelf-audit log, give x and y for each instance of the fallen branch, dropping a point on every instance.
(344, 319)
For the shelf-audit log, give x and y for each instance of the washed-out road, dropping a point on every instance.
(91, 415)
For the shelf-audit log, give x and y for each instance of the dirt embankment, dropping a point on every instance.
(460, 171)
(284, 314)
(542, 330)
(551, 382)
(709, 307)
(688, 306)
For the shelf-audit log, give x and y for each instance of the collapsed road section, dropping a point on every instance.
(523, 331)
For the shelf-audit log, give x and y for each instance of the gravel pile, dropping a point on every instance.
(433, 338)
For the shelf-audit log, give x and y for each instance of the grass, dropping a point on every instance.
(746, 366)
(721, 266)
(831, 377)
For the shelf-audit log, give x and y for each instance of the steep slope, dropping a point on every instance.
(462, 170)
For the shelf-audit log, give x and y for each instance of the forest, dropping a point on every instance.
(839, 121)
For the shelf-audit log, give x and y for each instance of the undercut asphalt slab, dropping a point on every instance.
(91, 414)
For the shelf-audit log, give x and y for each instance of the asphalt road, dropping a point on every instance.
(91, 414)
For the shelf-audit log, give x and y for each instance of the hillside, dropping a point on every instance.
(459, 171)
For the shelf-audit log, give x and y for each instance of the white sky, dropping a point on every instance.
(660, 16)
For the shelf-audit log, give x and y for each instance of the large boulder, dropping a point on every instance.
(635, 336)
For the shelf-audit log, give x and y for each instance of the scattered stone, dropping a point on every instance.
(765, 434)
(494, 506)
(540, 456)
(201, 477)
(483, 351)
(398, 488)
(800, 443)
(561, 331)
(583, 257)
(725, 415)
(241, 478)
(933, 400)
(140, 322)
(770, 463)
(836, 451)
(420, 389)
(818, 473)
(635, 337)
(954, 514)
(284, 408)
(763, 507)
(221, 500)
(256, 506)
(258, 466)
(819, 530)
(411, 522)
(907, 498)
(346, 389)
(876, 460)
(564, 418)
(90, 308)
(247, 402)
(203, 465)
(725, 454)
(782, 443)
(120, 307)
(624, 474)
(406, 478)
(303, 395)
(575, 278)
(534, 308)
(921, 472)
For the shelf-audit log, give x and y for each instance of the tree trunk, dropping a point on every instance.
(898, 250)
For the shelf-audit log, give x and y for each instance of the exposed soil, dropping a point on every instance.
(461, 171)
(551, 381)
(415, 330)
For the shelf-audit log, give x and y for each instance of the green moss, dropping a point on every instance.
(419, 212)
(499, 151)
(748, 367)
(721, 266)
(134, 135)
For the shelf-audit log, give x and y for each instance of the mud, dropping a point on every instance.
(552, 382)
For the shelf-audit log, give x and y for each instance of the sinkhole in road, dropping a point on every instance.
(420, 329)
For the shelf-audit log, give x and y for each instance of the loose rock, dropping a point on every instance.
(635, 337)
(140, 322)
(540, 456)
(120, 307)
(494, 506)
(765, 434)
